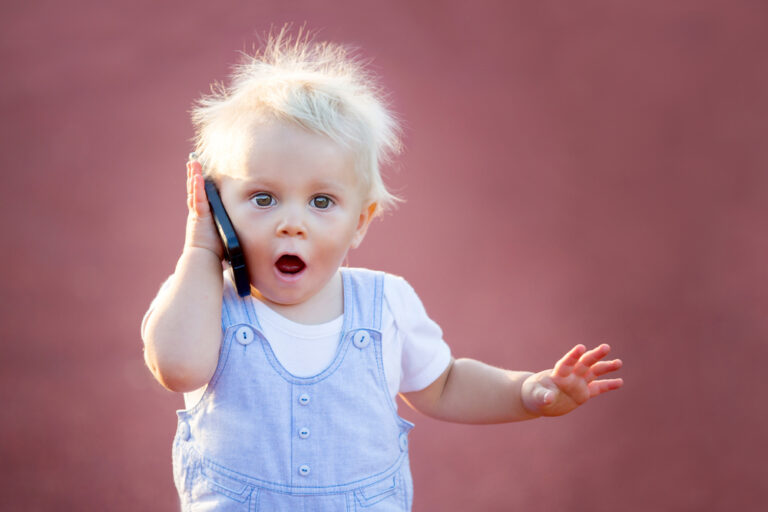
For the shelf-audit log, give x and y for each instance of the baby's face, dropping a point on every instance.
(297, 206)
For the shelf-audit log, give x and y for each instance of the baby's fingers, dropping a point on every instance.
(197, 201)
(199, 198)
(538, 394)
(603, 367)
(190, 181)
(597, 387)
(590, 358)
(565, 366)
(542, 396)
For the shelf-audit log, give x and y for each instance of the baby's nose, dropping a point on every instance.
(291, 226)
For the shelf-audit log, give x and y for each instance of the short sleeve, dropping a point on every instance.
(425, 355)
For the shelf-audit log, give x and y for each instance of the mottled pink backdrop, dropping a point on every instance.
(574, 172)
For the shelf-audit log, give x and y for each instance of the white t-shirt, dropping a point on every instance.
(413, 351)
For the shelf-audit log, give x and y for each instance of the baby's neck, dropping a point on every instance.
(323, 307)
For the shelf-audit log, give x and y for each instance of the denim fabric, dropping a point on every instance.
(262, 439)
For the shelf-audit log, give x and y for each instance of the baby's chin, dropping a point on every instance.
(284, 297)
(311, 305)
(276, 299)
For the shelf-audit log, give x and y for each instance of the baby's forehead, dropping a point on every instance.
(285, 140)
(284, 155)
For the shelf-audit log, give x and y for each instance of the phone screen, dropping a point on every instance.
(232, 248)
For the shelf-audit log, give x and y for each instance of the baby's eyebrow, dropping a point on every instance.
(326, 184)
(276, 185)
(259, 182)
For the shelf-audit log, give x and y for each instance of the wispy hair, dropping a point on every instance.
(320, 86)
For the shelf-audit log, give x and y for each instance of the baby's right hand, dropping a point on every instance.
(201, 230)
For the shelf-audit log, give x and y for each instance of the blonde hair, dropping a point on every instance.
(320, 86)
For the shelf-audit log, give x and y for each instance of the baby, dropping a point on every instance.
(290, 391)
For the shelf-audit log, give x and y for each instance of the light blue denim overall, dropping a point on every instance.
(262, 439)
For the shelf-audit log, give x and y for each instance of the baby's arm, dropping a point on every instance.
(182, 334)
(473, 392)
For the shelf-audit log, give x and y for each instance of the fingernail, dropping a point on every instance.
(192, 156)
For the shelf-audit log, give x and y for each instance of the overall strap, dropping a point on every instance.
(235, 309)
(363, 298)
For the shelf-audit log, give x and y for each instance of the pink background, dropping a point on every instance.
(575, 172)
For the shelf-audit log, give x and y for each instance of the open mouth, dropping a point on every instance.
(289, 264)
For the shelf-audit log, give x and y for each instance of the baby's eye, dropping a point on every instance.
(263, 200)
(321, 202)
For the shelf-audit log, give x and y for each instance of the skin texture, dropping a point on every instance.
(473, 392)
(298, 194)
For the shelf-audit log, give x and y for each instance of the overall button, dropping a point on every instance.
(304, 399)
(244, 335)
(403, 441)
(184, 432)
(361, 339)
(304, 470)
(304, 433)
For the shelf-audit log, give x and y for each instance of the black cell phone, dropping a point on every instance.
(233, 251)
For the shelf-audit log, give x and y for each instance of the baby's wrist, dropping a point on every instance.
(193, 254)
(529, 401)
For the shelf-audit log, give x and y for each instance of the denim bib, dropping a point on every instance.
(262, 439)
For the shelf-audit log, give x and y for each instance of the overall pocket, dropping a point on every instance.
(214, 491)
(383, 496)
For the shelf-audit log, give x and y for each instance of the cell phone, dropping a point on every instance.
(233, 251)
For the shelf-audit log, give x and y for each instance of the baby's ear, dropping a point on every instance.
(366, 216)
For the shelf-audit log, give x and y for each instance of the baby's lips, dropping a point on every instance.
(290, 264)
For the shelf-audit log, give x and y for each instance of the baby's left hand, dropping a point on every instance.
(572, 382)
